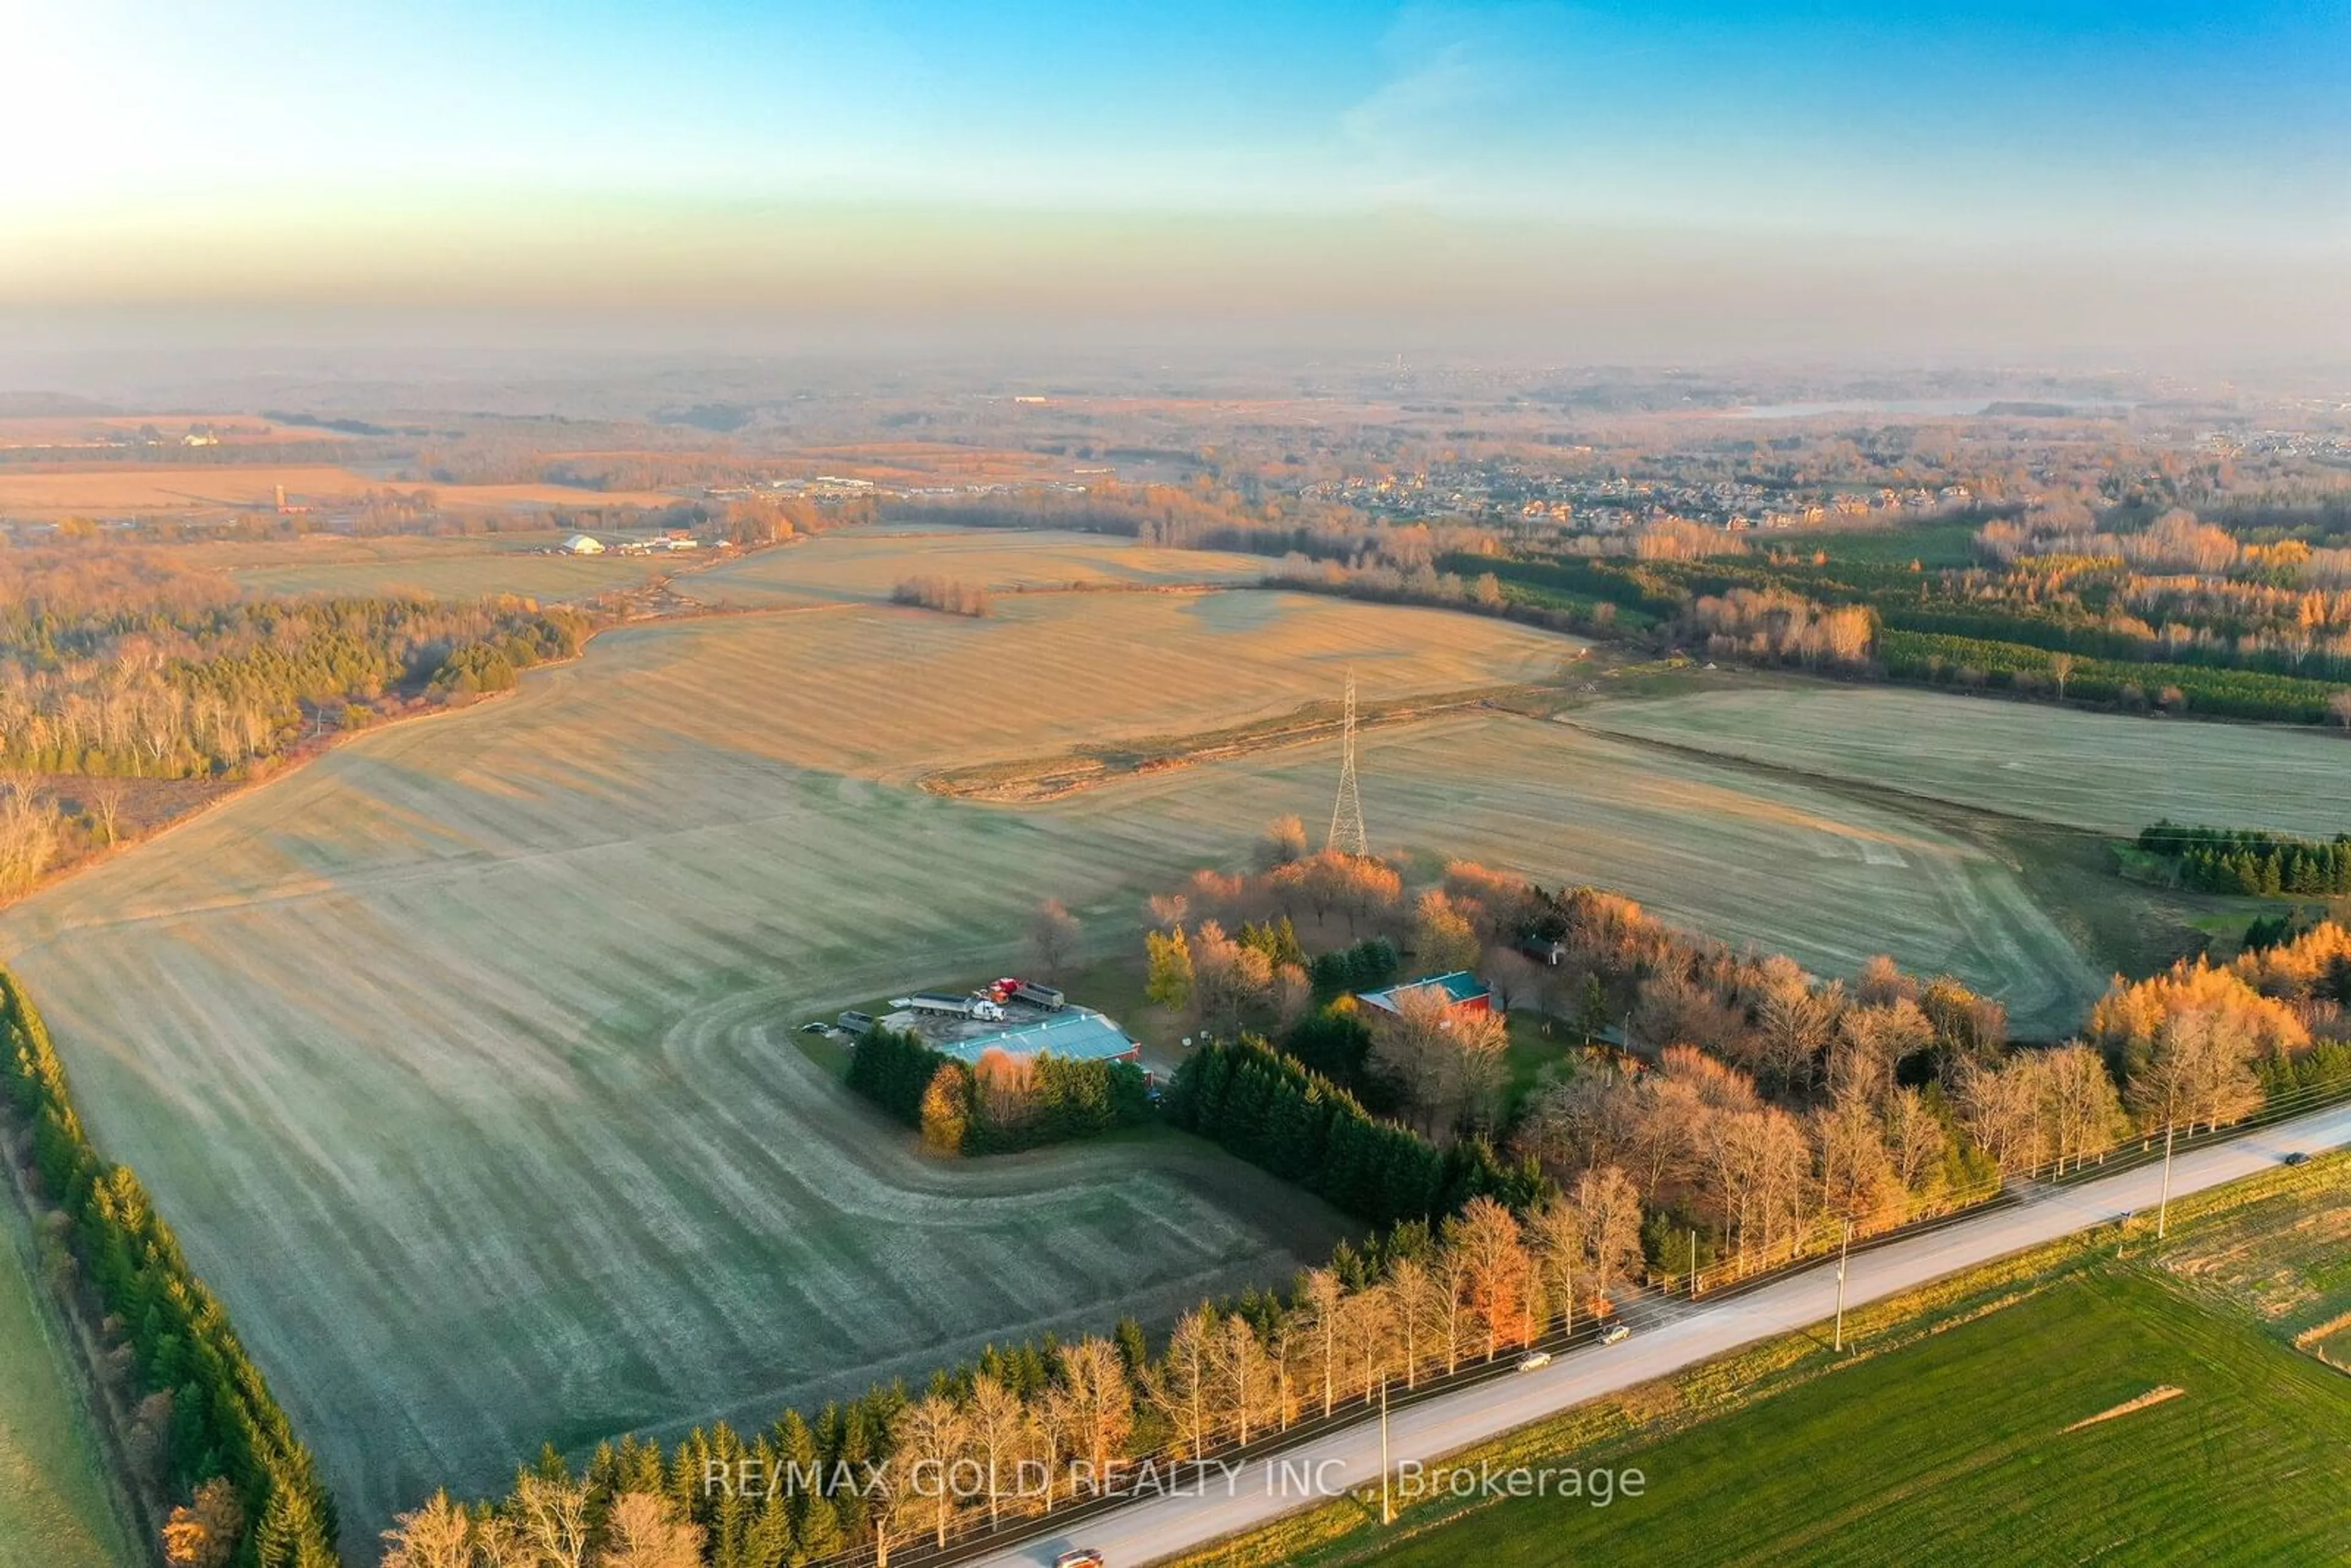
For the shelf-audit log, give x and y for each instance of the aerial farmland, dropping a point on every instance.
(464, 1055)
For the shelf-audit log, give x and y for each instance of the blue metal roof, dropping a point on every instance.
(1079, 1034)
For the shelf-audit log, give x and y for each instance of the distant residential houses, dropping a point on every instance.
(1619, 502)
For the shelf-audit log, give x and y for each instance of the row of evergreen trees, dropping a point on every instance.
(893, 1067)
(2249, 860)
(225, 1423)
(1938, 659)
(1267, 1108)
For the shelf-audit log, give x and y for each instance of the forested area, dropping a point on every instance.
(126, 664)
(948, 594)
(1745, 1101)
(122, 664)
(204, 1433)
(2250, 861)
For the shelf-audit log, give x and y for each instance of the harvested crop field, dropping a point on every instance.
(866, 564)
(1744, 856)
(476, 573)
(2109, 772)
(461, 1059)
(895, 692)
(38, 492)
(56, 1509)
(2283, 1258)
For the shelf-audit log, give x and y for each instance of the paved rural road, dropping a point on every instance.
(1157, 1527)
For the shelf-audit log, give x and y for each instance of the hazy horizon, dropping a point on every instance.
(1597, 182)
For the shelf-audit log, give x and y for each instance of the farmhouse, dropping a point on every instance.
(1460, 989)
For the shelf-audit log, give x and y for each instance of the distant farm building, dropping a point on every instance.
(581, 544)
(1016, 1017)
(1459, 989)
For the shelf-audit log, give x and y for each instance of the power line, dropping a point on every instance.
(1347, 812)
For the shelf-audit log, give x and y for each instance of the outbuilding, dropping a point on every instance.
(1077, 1034)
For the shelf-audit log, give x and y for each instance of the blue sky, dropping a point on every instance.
(195, 152)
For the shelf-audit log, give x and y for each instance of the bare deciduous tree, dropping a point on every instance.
(639, 1533)
(438, 1535)
(1053, 938)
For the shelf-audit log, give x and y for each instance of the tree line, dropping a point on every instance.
(206, 1431)
(999, 1105)
(2249, 860)
(951, 595)
(2034, 629)
(1264, 1106)
(984, 1447)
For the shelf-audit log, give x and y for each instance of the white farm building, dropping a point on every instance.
(581, 544)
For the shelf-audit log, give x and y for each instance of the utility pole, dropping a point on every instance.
(2163, 1209)
(1387, 1509)
(1693, 1236)
(1844, 1250)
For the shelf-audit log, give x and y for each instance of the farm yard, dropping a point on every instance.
(56, 1507)
(2107, 772)
(866, 563)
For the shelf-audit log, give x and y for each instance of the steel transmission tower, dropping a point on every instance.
(1347, 810)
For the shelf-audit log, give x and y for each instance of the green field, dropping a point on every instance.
(2108, 772)
(1955, 1450)
(2284, 1261)
(1931, 545)
(2199, 1434)
(56, 1507)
